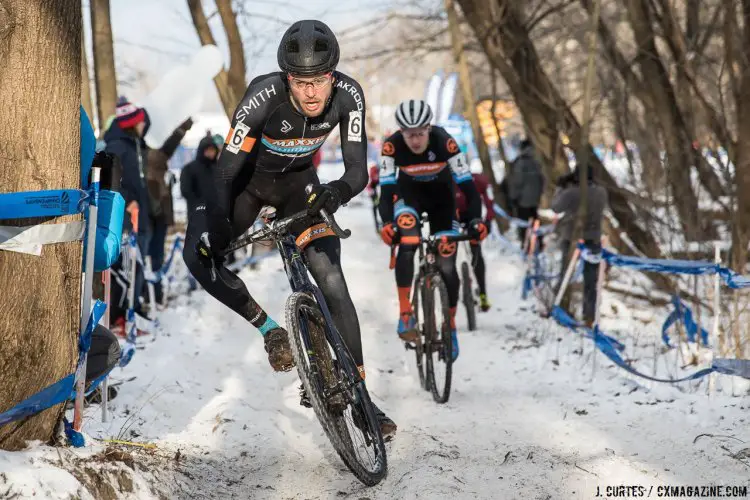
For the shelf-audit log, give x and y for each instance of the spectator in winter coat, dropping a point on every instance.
(526, 185)
(124, 140)
(160, 181)
(566, 200)
(196, 178)
(482, 184)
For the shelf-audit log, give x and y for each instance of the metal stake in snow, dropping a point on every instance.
(567, 277)
(104, 387)
(87, 293)
(717, 315)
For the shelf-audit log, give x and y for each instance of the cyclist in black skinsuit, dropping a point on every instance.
(414, 179)
(279, 124)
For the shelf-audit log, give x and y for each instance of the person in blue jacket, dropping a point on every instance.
(124, 140)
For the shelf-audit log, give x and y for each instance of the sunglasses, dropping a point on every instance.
(317, 83)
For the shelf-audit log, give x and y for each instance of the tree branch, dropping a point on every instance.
(532, 23)
(236, 51)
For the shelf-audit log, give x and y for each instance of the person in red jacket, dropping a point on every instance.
(372, 190)
(482, 184)
(317, 157)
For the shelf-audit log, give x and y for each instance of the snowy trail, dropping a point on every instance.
(517, 425)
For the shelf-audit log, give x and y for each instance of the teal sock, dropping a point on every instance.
(267, 326)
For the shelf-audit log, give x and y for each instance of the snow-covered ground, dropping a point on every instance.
(526, 418)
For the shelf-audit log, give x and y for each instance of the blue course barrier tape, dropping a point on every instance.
(564, 319)
(49, 203)
(669, 266)
(515, 221)
(684, 314)
(604, 344)
(611, 348)
(60, 391)
(164, 270)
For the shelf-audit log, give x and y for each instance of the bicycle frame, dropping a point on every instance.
(299, 281)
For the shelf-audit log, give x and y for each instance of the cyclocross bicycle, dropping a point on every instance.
(324, 364)
(433, 347)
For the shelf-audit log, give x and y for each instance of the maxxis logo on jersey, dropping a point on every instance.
(388, 149)
(302, 146)
(237, 137)
(451, 145)
(355, 126)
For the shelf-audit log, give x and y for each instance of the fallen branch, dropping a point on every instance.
(715, 436)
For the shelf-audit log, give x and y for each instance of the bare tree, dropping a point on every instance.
(104, 61)
(741, 223)
(499, 28)
(39, 318)
(230, 84)
(88, 104)
(467, 87)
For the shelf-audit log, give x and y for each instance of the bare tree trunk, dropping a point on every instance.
(230, 84)
(39, 318)
(507, 44)
(88, 104)
(500, 198)
(687, 94)
(741, 223)
(236, 52)
(646, 95)
(104, 61)
(500, 146)
(678, 147)
(467, 89)
(583, 146)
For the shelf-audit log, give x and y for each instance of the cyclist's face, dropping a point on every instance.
(417, 139)
(311, 92)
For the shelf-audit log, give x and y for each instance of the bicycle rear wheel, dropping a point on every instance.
(468, 296)
(438, 345)
(342, 404)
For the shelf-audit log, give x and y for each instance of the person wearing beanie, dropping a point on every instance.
(124, 140)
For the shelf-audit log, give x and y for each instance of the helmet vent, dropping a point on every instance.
(292, 47)
(321, 46)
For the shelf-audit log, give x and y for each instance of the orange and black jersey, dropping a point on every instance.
(431, 174)
(270, 135)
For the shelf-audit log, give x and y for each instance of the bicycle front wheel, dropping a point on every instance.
(468, 296)
(419, 345)
(438, 345)
(341, 404)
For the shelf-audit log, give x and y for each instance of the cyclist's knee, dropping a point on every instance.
(447, 266)
(333, 286)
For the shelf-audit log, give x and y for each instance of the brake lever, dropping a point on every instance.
(329, 220)
(337, 230)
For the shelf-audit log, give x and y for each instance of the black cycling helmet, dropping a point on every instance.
(308, 48)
